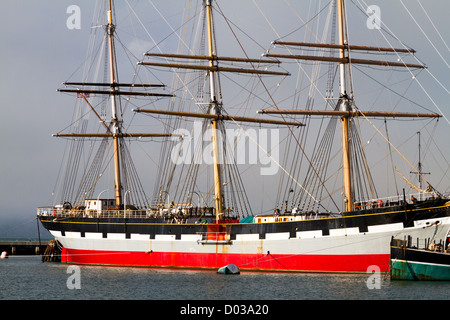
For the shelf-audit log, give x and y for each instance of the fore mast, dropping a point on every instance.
(346, 106)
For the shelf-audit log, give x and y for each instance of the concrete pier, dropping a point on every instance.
(23, 247)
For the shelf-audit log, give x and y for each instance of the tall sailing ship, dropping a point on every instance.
(183, 227)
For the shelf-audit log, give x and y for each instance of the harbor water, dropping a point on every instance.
(28, 278)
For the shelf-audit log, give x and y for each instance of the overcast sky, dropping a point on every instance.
(38, 52)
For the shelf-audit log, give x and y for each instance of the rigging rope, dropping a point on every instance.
(275, 104)
(406, 160)
(409, 70)
(390, 157)
(423, 32)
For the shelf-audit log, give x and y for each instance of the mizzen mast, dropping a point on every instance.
(115, 117)
(114, 129)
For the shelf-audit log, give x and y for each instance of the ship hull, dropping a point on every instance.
(415, 264)
(408, 262)
(350, 244)
(247, 262)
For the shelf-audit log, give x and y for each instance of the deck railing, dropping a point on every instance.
(60, 212)
(392, 200)
(175, 214)
(180, 212)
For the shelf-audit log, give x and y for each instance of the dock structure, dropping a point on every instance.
(23, 247)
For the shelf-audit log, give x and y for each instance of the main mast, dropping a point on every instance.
(214, 109)
(215, 112)
(344, 106)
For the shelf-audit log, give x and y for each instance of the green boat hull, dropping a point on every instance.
(409, 263)
(410, 270)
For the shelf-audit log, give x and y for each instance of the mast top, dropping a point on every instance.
(110, 21)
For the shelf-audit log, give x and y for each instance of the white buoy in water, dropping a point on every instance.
(229, 269)
(4, 255)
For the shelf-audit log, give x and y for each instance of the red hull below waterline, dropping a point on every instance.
(250, 262)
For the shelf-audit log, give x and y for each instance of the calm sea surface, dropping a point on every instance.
(27, 278)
